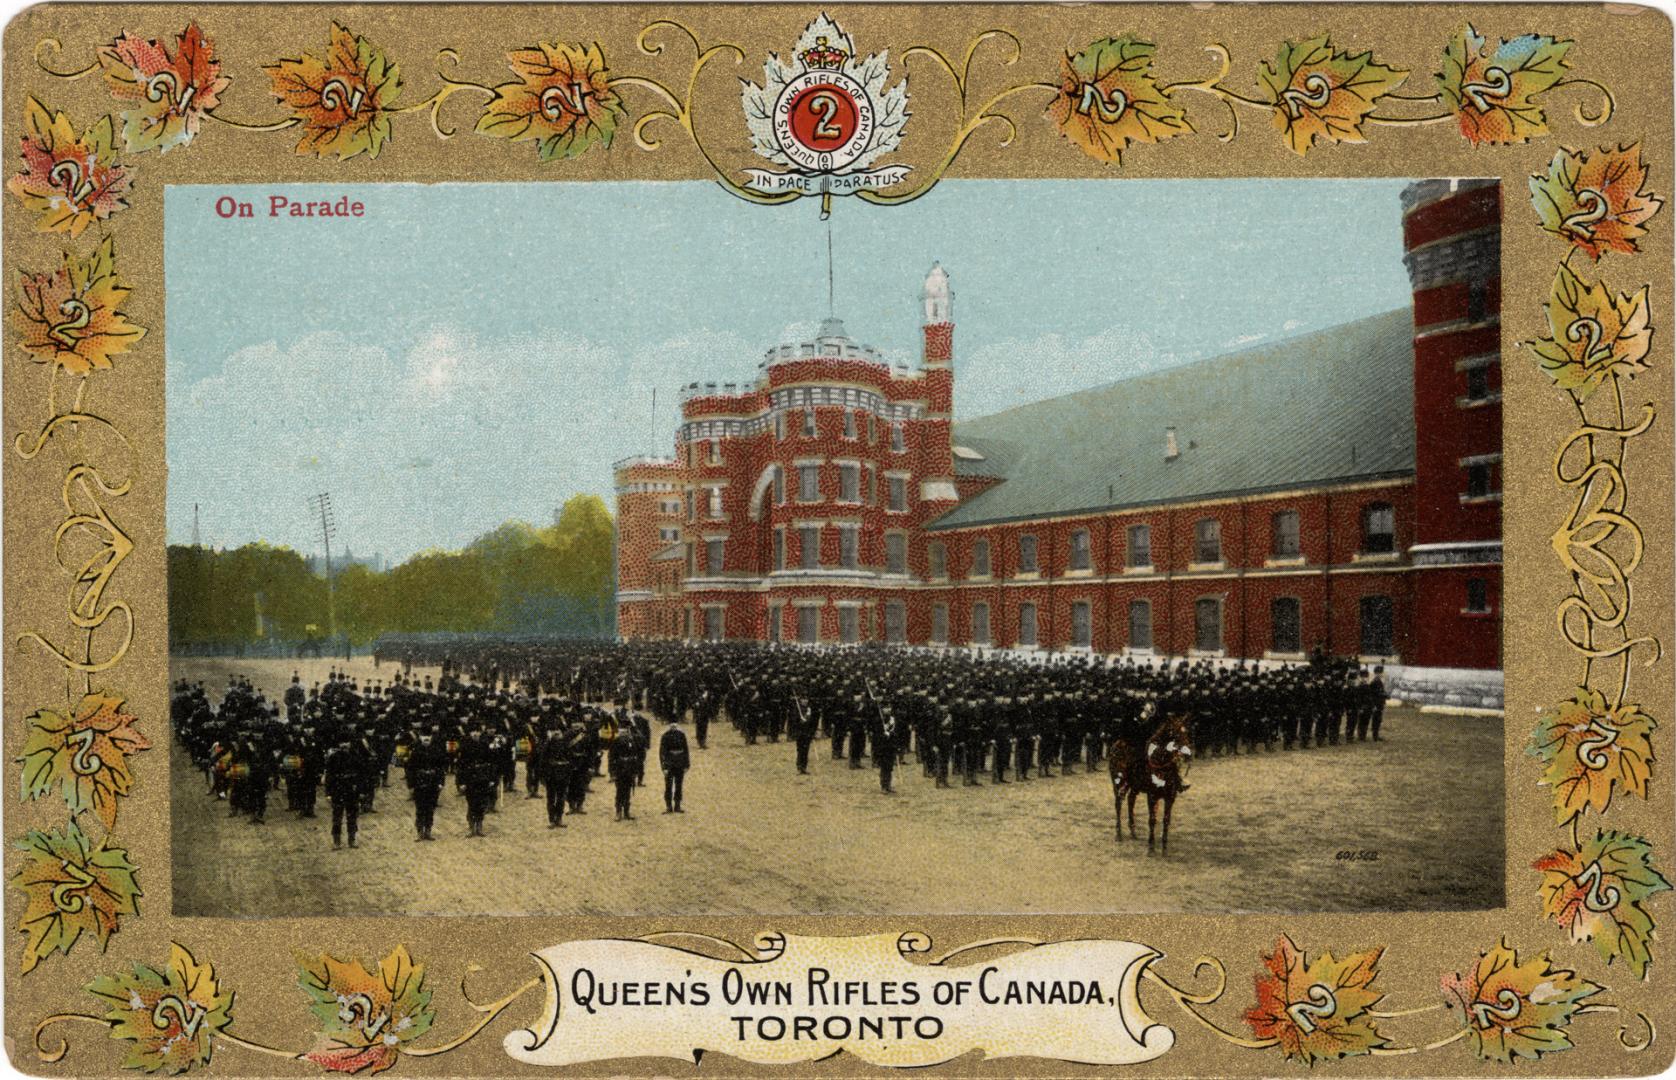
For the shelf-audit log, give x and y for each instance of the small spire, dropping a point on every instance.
(937, 297)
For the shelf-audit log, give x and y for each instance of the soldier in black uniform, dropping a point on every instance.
(344, 769)
(555, 768)
(674, 759)
(427, 769)
(625, 764)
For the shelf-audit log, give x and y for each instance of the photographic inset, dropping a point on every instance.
(1153, 589)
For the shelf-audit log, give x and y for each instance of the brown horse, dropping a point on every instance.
(1154, 769)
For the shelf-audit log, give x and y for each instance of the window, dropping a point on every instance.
(939, 624)
(896, 553)
(1207, 624)
(1478, 596)
(775, 614)
(1478, 480)
(898, 494)
(808, 483)
(1286, 625)
(1478, 382)
(713, 623)
(1139, 546)
(849, 547)
(898, 442)
(1379, 529)
(1080, 557)
(980, 559)
(1140, 624)
(872, 485)
(809, 546)
(1082, 624)
(779, 485)
(938, 557)
(980, 624)
(692, 507)
(849, 423)
(1478, 301)
(849, 625)
(715, 451)
(808, 423)
(779, 549)
(849, 483)
(1207, 541)
(713, 556)
(1378, 622)
(896, 622)
(1283, 529)
(715, 502)
(872, 430)
(1027, 624)
(1027, 554)
(808, 625)
(780, 426)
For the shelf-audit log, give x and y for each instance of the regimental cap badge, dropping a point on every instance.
(825, 118)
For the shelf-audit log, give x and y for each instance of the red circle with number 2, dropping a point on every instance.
(823, 117)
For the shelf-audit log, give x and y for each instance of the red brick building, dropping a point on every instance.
(1339, 489)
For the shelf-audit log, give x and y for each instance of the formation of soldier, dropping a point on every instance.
(574, 711)
(343, 740)
(957, 714)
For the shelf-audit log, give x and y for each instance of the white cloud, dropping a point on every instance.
(1243, 340)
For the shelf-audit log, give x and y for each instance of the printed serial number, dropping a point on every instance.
(1358, 855)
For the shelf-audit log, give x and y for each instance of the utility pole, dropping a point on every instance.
(322, 505)
(195, 532)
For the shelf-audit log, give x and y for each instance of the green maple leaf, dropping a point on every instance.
(1596, 894)
(1492, 91)
(1322, 95)
(73, 888)
(1514, 1010)
(171, 1016)
(1109, 97)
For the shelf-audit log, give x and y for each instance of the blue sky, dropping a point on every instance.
(469, 353)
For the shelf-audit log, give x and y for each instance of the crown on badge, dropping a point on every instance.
(823, 54)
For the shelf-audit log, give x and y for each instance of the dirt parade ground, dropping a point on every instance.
(1360, 827)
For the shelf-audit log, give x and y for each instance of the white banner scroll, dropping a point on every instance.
(805, 998)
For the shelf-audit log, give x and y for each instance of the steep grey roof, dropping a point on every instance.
(1331, 406)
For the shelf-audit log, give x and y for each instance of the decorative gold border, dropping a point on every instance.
(341, 93)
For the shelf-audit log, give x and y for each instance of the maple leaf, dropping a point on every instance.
(171, 1016)
(1317, 1010)
(169, 92)
(73, 888)
(562, 101)
(1595, 894)
(1594, 198)
(1322, 95)
(70, 182)
(1109, 98)
(1492, 90)
(343, 101)
(1592, 750)
(70, 316)
(365, 1017)
(1512, 1009)
(85, 755)
(1592, 334)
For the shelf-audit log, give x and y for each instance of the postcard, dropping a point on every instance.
(758, 539)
